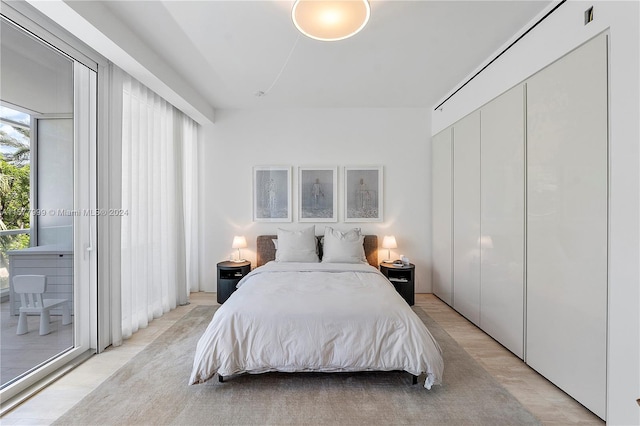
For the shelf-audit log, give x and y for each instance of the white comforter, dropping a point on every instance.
(316, 317)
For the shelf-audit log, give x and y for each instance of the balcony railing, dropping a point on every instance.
(14, 239)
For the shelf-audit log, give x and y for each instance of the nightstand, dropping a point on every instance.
(229, 274)
(402, 278)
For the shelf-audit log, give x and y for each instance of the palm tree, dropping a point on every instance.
(14, 189)
(22, 151)
(18, 158)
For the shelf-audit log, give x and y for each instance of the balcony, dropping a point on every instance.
(14, 239)
(23, 353)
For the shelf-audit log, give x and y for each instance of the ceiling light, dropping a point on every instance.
(329, 20)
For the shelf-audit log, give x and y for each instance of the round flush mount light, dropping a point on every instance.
(330, 20)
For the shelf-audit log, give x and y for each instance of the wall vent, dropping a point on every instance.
(588, 15)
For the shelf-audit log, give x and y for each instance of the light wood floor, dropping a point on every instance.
(543, 399)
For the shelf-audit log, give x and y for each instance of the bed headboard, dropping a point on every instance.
(266, 251)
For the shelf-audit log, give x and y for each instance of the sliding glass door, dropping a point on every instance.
(47, 202)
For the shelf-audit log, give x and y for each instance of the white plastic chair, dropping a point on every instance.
(31, 288)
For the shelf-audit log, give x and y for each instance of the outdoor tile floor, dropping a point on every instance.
(18, 354)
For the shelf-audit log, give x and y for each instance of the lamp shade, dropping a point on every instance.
(389, 242)
(330, 20)
(239, 242)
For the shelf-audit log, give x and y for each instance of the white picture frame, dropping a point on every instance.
(363, 194)
(272, 194)
(318, 194)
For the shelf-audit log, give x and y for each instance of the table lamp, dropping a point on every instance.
(238, 243)
(389, 242)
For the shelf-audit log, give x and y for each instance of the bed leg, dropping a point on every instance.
(220, 378)
(415, 380)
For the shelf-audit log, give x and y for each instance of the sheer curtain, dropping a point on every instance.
(191, 188)
(158, 258)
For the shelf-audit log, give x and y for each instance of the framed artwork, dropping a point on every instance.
(272, 194)
(317, 194)
(363, 194)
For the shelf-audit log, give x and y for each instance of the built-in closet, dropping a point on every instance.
(441, 215)
(520, 202)
(466, 216)
(502, 204)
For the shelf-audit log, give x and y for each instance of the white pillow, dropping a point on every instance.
(343, 247)
(297, 246)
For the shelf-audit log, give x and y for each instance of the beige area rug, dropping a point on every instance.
(152, 389)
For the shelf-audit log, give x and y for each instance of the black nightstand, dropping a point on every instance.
(229, 274)
(402, 278)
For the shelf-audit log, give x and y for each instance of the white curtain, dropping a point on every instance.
(191, 189)
(159, 258)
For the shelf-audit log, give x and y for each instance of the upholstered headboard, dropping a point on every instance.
(267, 251)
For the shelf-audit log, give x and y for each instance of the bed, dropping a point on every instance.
(316, 309)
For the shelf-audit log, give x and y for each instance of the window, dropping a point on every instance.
(15, 170)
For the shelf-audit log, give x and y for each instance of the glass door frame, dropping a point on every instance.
(85, 223)
(34, 220)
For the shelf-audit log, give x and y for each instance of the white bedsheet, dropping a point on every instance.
(316, 317)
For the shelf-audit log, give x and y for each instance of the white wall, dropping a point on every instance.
(241, 139)
(560, 33)
(96, 26)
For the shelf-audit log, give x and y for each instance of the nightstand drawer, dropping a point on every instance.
(230, 274)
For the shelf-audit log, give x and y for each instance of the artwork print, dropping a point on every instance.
(363, 194)
(272, 194)
(317, 194)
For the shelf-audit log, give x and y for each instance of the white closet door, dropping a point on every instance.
(502, 220)
(441, 194)
(466, 217)
(567, 223)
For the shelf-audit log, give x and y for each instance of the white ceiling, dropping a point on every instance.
(411, 54)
